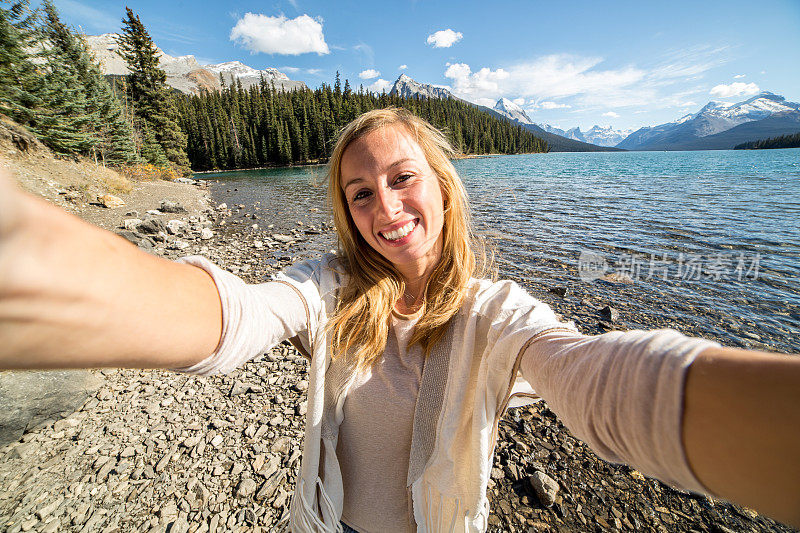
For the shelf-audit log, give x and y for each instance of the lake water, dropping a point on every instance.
(708, 242)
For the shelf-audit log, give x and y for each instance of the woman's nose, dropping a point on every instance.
(389, 202)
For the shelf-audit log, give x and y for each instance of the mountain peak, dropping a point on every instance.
(407, 87)
(712, 121)
(509, 109)
(184, 72)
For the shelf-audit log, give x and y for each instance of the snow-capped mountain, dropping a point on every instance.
(236, 70)
(607, 136)
(509, 109)
(184, 72)
(713, 119)
(598, 135)
(407, 87)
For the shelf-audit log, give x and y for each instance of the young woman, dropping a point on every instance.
(414, 359)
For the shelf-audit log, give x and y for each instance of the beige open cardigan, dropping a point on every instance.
(620, 392)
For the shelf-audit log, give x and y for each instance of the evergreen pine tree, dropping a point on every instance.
(111, 134)
(20, 82)
(153, 104)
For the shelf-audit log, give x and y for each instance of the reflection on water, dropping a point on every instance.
(711, 211)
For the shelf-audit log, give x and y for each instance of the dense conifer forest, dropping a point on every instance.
(784, 141)
(51, 83)
(260, 126)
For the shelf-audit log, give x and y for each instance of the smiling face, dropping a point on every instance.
(394, 199)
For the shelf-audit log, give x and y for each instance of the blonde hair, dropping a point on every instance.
(360, 325)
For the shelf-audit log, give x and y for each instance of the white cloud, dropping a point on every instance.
(444, 38)
(586, 83)
(295, 70)
(402, 67)
(485, 102)
(739, 76)
(547, 77)
(611, 114)
(734, 89)
(368, 74)
(380, 85)
(554, 105)
(688, 104)
(280, 35)
(519, 101)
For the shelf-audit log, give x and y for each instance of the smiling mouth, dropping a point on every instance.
(399, 233)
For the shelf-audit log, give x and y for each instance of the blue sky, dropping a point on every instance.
(576, 63)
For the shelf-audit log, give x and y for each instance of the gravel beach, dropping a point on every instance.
(161, 451)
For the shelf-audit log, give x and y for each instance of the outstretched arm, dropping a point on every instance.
(741, 428)
(74, 295)
(729, 427)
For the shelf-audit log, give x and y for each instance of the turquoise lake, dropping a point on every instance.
(707, 242)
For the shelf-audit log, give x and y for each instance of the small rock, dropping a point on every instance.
(180, 525)
(168, 512)
(609, 314)
(271, 485)
(151, 227)
(168, 206)
(110, 201)
(45, 511)
(286, 239)
(131, 223)
(246, 488)
(238, 388)
(129, 451)
(191, 442)
(558, 291)
(206, 234)
(174, 227)
(545, 487)
(178, 245)
(217, 441)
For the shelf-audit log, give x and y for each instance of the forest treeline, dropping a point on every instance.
(784, 141)
(261, 126)
(51, 83)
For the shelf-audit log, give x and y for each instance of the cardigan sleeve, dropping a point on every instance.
(508, 320)
(621, 393)
(255, 317)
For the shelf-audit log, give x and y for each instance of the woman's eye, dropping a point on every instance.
(402, 178)
(360, 195)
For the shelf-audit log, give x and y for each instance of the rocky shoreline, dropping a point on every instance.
(161, 451)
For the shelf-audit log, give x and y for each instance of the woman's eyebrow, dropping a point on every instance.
(351, 182)
(401, 161)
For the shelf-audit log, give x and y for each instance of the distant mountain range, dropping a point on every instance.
(720, 125)
(184, 73)
(504, 109)
(598, 135)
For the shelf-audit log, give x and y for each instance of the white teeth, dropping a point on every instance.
(399, 233)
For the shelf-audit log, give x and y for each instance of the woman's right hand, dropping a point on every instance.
(73, 295)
